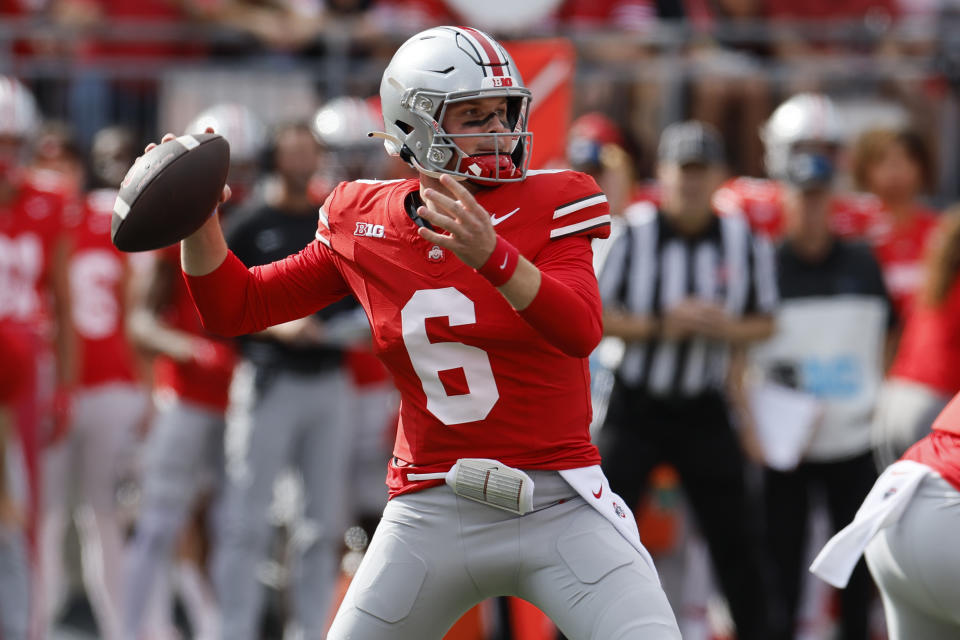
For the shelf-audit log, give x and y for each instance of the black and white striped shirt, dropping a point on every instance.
(651, 266)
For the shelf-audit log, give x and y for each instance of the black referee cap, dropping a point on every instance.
(691, 142)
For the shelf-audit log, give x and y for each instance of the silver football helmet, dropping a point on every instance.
(341, 126)
(242, 128)
(439, 67)
(19, 116)
(803, 118)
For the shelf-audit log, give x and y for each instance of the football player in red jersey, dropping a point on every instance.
(803, 126)
(14, 577)
(907, 531)
(478, 283)
(108, 403)
(34, 288)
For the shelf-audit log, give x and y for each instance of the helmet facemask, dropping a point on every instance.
(441, 154)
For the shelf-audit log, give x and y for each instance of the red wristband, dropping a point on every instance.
(501, 264)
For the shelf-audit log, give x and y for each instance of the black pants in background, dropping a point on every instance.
(787, 497)
(696, 437)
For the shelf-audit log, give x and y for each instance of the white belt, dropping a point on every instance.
(488, 481)
(882, 507)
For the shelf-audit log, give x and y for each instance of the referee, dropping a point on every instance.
(686, 290)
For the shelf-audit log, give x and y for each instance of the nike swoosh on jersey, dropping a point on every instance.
(495, 220)
(597, 494)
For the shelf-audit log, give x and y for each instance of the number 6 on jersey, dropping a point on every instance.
(429, 359)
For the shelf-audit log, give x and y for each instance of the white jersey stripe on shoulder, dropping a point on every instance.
(371, 181)
(319, 236)
(537, 172)
(577, 206)
(580, 226)
(323, 218)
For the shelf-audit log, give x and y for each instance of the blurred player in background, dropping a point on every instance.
(183, 463)
(341, 126)
(85, 467)
(14, 564)
(831, 342)
(35, 216)
(489, 349)
(293, 410)
(806, 122)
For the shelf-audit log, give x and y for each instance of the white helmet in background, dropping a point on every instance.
(239, 125)
(436, 68)
(803, 118)
(342, 126)
(19, 116)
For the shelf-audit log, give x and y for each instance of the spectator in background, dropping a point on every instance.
(799, 38)
(730, 87)
(684, 288)
(95, 99)
(896, 167)
(108, 402)
(832, 327)
(924, 375)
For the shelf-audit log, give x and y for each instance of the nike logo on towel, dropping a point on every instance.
(495, 220)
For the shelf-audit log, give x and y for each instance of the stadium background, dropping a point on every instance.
(154, 65)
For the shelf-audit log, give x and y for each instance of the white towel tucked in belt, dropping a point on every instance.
(882, 507)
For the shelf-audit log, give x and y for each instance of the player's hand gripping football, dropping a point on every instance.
(469, 232)
(167, 137)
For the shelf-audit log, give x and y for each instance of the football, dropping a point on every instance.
(169, 192)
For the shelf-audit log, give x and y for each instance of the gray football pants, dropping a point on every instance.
(14, 584)
(183, 457)
(435, 555)
(916, 564)
(299, 421)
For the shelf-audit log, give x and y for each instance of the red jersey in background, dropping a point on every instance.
(205, 382)
(97, 280)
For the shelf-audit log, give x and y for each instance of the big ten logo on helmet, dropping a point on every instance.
(369, 230)
(496, 81)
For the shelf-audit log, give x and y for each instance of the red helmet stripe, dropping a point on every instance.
(490, 48)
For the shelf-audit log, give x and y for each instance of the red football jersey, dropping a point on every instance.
(929, 348)
(900, 248)
(941, 449)
(761, 201)
(205, 384)
(475, 379)
(30, 227)
(97, 279)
